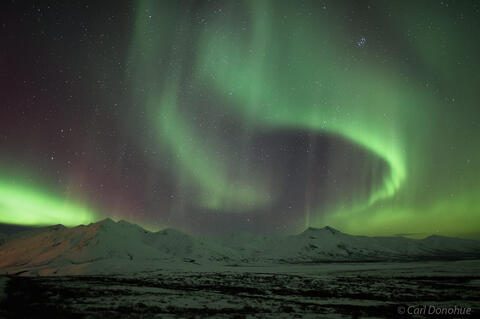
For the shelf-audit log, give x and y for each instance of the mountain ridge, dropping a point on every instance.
(118, 247)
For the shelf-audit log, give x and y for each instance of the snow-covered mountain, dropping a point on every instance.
(120, 247)
(103, 247)
(328, 244)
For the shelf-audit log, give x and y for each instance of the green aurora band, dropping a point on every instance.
(287, 65)
(283, 70)
(24, 205)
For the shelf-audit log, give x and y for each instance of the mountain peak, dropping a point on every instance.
(56, 227)
(106, 221)
(331, 229)
(326, 228)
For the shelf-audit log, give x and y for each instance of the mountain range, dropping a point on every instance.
(109, 247)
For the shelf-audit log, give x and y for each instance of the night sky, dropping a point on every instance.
(227, 116)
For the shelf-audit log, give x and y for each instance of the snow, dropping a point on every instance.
(109, 247)
(328, 290)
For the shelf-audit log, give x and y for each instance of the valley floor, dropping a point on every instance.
(370, 290)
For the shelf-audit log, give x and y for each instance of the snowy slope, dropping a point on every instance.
(120, 247)
(328, 244)
(103, 247)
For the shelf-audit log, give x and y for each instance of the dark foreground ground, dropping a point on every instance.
(370, 290)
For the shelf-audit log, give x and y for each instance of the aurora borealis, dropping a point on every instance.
(226, 116)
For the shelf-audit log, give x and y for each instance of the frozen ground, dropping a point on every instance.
(3, 283)
(330, 290)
